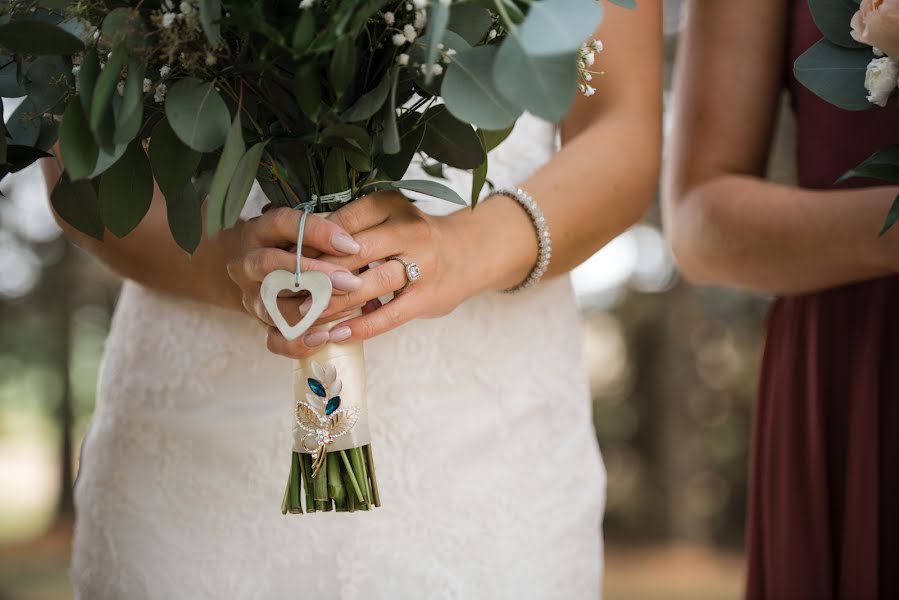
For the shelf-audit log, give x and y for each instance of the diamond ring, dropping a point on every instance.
(413, 272)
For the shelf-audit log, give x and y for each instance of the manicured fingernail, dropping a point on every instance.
(305, 306)
(345, 281)
(316, 338)
(344, 243)
(339, 334)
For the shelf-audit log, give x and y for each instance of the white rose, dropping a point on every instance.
(881, 78)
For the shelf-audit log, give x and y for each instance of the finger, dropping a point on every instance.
(287, 306)
(279, 227)
(365, 212)
(253, 266)
(398, 311)
(379, 281)
(377, 243)
(303, 346)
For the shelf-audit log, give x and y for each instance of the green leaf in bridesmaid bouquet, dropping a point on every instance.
(48, 80)
(234, 149)
(107, 158)
(126, 190)
(210, 16)
(883, 164)
(430, 188)
(470, 93)
(123, 29)
(343, 65)
(434, 170)
(10, 86)
(892, 216)
(835, 74)
(183, 209)
(450, 141)
(304, 32)
(130, 111)
(369, 103)
(625, 3)
(317, 388)
(470, 22)
(101, 116)
(334, 178)
(307, 88)
(438, 19)
(87, 78)
(494, 137)
(557, 27)
(543, 85)
(24, 125)
(390, 140)
(33, 36)
(833, 17)
(242, 183)
(198, 114)
(76, 142)
(173, 163)
(396, 165)
(77, 204)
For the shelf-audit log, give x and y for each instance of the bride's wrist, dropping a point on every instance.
(498, 243)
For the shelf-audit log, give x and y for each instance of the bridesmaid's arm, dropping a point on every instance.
(727, 225)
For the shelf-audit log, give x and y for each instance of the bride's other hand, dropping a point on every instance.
(268, 243)
(459, 255)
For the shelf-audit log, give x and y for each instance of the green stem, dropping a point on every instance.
(352, 476)
(376, 498)
(335, 485)
(295, 506)
(306, 461)
(320, 487)
(358, 462)
(350, 498)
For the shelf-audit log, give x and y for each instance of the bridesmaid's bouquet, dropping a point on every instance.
(319, 101)
(856, 67)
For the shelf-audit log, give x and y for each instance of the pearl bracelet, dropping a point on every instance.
(544, 243)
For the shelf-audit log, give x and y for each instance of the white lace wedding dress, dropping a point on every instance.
(489, 473)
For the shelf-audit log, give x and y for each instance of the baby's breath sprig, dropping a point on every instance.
(586, 59)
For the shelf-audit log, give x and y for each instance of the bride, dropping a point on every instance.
(489, 473)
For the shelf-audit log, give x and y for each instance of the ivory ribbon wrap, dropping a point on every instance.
(349, 359)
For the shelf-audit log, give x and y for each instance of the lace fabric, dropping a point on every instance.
(488, 467)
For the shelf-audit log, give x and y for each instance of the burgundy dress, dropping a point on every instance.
(824, 505)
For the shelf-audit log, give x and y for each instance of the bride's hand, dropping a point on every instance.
(268, 243)
(457, 256)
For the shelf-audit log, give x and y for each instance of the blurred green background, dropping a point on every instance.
(673, 372)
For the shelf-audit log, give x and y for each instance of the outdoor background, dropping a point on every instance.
(673, 371)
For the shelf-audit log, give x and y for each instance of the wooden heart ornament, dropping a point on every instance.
(315, 282)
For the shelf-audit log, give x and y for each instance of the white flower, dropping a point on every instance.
(492, 34)
(589, 90)
(589, 59)
(148, 85)
(402, 59)
(436, 70)
(409, 6)
(410, 33)
(597, 46)
(164, 70)
(161, 89)
(167, 19)
(880, 80)
(307, 3)
(75, 69)
(420, 3)
(588, 77)
(389, 18)
(186, 8)
(210, 59)
(421, 19)
(399, 39)
(120, 88)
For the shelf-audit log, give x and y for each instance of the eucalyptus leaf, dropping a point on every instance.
(234, 149)
(369, 103)
(48, 80)
(558, 27)
(493, 138)
(450, 141)
(183, 210)
(892, 216)
(438, 19)
(197, 114)
(304, 32)
(37, 36)
(172, 161)
(10, 86)
(129, 116)
(102, 120)
(24, 125)
(391, 137)
(49, 134)
(108, 157)
(430, 188)
(471, 22)
(835, 74)
(343, 65)
(87, 78)
(126, 191)
(307, 87)
(19, 157)
(242, 183)
(210, 16)
(334, 178)
(543, 85)
(470, 93)
(77, 204)
(76, 142)
(833, 17)
(478, 179)
(396, 165)
(625, 3)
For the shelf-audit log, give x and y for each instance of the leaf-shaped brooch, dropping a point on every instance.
(320, 415)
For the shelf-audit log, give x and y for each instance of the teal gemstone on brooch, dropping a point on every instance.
(332, 405)
(317, 388)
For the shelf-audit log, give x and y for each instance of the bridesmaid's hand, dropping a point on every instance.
(457, 255)
(268, 243)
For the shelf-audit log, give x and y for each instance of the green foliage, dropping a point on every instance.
(77, 204)
(76, 142)
(126, 190)
(471, 94)
(450, 141)
(198, 114)
(836, 74)
(33, 36)
(833, 18)
(172, 161)
(231, 155)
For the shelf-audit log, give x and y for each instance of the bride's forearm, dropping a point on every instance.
(150, 256)
(745, 232)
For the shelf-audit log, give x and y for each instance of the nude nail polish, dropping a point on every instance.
(345, 281)
(316, 338)
(305, 306)
(344, 243)
(340, 334)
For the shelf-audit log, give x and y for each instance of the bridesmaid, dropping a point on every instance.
(824, 506)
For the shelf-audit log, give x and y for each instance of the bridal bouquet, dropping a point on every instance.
(319, 101)
(856, 67)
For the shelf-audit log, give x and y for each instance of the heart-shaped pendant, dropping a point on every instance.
(315, 282)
